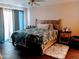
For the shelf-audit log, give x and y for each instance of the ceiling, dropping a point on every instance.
(23, 3)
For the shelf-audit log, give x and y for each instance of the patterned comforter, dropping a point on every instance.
(44, 35)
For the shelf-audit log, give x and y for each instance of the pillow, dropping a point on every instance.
(51, 26)
(56, 26)
(45, 37)
(42, 26)
(50, 34)
(30, 26)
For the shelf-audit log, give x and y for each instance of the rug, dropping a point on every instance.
(57, 50)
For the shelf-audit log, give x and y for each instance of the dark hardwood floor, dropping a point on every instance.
(8, 51)
(72, 54)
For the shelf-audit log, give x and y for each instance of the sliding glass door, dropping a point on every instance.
(8, 23)
(18, 22)
(13, 21)
(21, 20)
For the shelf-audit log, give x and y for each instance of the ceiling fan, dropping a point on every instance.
(34, 2)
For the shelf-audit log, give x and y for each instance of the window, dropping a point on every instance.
(8, 23)
(21, 20)
(18, 22)
(13, 21)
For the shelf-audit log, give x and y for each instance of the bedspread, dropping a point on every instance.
(19, 37)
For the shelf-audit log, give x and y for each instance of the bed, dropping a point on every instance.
(45, 32)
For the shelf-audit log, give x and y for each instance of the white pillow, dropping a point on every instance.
(42, 26)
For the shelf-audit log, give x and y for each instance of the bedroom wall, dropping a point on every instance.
(69, 13)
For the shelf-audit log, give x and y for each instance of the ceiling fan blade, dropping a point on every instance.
(37, 4)
(34, 2)
(39, 0)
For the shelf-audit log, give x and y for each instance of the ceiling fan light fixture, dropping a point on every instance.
(33, 2)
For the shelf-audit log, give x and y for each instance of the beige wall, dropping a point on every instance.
(69, 13)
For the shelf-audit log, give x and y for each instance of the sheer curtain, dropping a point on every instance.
(8, 23)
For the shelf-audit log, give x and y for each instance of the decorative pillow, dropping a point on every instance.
(56, 26)
(42, 26)
(50, 26)
(30, 26)
(50, 34)
(45, 34)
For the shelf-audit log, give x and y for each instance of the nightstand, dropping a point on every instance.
(65, 37)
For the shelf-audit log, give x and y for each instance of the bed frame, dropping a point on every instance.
(54, 22)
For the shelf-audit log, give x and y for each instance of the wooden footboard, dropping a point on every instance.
(50, 43)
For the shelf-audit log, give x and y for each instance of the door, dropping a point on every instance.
(21, 20)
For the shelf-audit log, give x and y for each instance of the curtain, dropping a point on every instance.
(18, 20)
(8, 23)
(1, 26)
(10, 20)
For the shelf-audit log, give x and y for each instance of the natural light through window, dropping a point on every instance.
(8, 23)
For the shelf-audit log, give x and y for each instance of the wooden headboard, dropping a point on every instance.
(56, 23)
